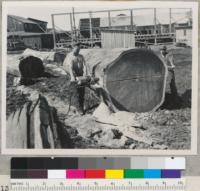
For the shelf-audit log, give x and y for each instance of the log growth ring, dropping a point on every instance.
(136, 80)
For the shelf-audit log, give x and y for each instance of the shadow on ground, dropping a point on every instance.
(177, 102)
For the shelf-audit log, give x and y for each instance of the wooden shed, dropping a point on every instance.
(133, 79)
(111, 38)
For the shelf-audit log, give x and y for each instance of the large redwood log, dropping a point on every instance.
(134, 79)
(13, 66)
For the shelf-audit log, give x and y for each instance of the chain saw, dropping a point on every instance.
(86, 80)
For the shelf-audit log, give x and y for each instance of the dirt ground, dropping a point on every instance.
(169, 126)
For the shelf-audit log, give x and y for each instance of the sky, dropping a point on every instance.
(63, 22)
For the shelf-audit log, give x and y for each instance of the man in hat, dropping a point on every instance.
(169, 60)
(74, 63)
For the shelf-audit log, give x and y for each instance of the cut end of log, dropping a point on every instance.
(31, 67)
(134, 79)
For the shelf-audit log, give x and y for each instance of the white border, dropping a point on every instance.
(109, 4)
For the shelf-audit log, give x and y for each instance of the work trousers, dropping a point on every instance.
(172, 84)
(81, 98)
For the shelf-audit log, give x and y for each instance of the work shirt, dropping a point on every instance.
(169, 60)
(75, 65)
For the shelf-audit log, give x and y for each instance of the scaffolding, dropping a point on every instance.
(91, 41)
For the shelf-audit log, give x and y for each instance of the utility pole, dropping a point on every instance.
(155, 27)
(74, 23)
(72, 31)
(170, 20)
(54, 32)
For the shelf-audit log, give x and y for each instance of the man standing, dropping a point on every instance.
(75, 64)
(168, 58)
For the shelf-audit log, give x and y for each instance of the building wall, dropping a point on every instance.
(117, 39)
(47, 41)
(146, 29)
(34, 42)
(42, 24)
(28, 27)
(14, 25)
(184, 35)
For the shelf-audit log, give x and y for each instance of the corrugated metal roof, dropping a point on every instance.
(21, 19)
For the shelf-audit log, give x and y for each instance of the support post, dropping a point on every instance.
(91, 34)
(54, 31)
(74, 23)
(131, 15)
(72, 31)
(109, 19)
(170, 20)
(155, 27)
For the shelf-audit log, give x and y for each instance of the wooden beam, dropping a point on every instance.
(109, 19)
(74, 23)
(54, 31)
(170, 20)
(102, 11)
(91, 33)
(131, 15)
(72, 30)
(155, 26)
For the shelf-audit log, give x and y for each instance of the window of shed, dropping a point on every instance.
(184, 32)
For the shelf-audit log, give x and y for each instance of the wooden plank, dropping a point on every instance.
(118, 39)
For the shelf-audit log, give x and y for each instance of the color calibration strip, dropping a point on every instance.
(135, 162)
(95, 174)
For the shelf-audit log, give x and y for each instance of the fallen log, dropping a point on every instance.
(13, 63)
(134, 79)
(44, 56)
(31, 67)
(131, 79)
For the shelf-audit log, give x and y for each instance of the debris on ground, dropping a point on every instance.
(166, 128)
